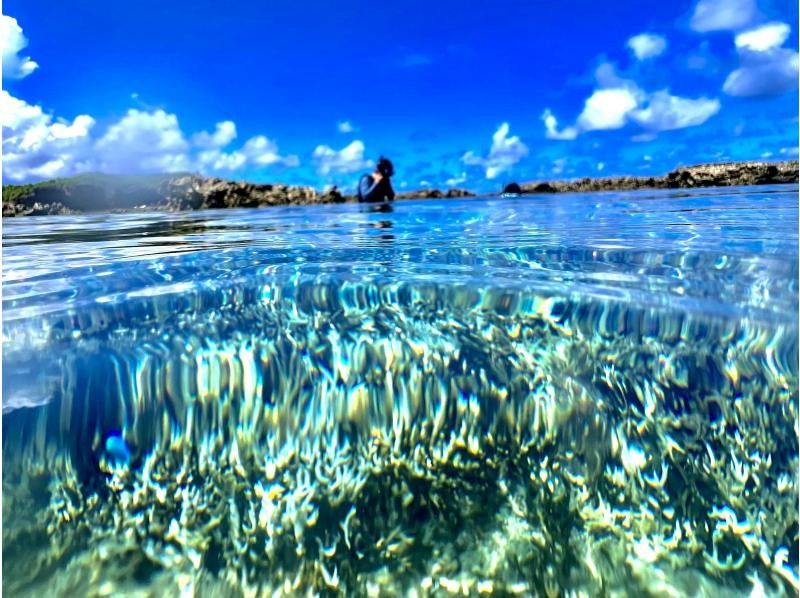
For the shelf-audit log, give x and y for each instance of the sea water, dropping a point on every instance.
(560, 394)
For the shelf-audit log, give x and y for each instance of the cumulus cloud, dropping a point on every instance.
(346, 160)
(620, 101)
(14, 65)
(607, 109)
(551, 128)
(257, 151)
(764, 74)
(720, 15)
(647, 45)
(36, 145)
(345, 126)
(504, 153)
(763, 38)
(223, 134)
(765, 68)
(215, 159)
(143, 142)
(666, 112)
(263, 152)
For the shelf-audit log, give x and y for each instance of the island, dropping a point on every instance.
(187, 191)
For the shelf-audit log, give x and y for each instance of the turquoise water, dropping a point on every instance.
(572, 393)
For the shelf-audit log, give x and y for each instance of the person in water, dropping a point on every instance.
(377, 187)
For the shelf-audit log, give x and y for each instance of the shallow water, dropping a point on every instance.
(592, 392)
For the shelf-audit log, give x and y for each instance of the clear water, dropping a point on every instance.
(574, 393)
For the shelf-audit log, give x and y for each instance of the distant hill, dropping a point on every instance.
(98, 192)
(90, 192)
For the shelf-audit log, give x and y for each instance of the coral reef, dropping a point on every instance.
(382, 439)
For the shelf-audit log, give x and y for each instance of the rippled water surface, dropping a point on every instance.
(591, 393)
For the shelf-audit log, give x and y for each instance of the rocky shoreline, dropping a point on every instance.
(172, 192)
(703, 175)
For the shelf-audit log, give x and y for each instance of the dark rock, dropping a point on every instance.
(435, 194)
(332, 195)
(543, 188)
(453, 193)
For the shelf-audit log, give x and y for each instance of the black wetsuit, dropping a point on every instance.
(370, 191)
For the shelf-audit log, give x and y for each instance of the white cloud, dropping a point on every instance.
(263, 152)
(456, 180)
(719, 15)
(143, 142)
(223, 134)
(14, 66)
(349, 159)
(666, 112)
(763, 38)
(345, 126)
(764, 74)
(257, 151)
(607, 77)
(36, 146)
(16, 114)
(615, 106)
(607, 109)
(765, 69)
(504, 153)
(216, 160)
(647, 45)
(551, 128)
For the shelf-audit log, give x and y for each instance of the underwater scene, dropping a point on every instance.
(555, 395)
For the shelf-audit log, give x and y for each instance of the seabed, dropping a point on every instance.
(370, 442)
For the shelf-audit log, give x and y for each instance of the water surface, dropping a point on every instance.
(590, 392)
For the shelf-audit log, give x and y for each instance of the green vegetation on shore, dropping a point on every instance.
(112, 182)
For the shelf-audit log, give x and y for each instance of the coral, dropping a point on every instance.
(371, 441)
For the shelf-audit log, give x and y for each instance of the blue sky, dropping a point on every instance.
(457, 94)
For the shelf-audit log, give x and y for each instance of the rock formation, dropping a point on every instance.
(703, 175)
(435, 194)
(109, 193)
